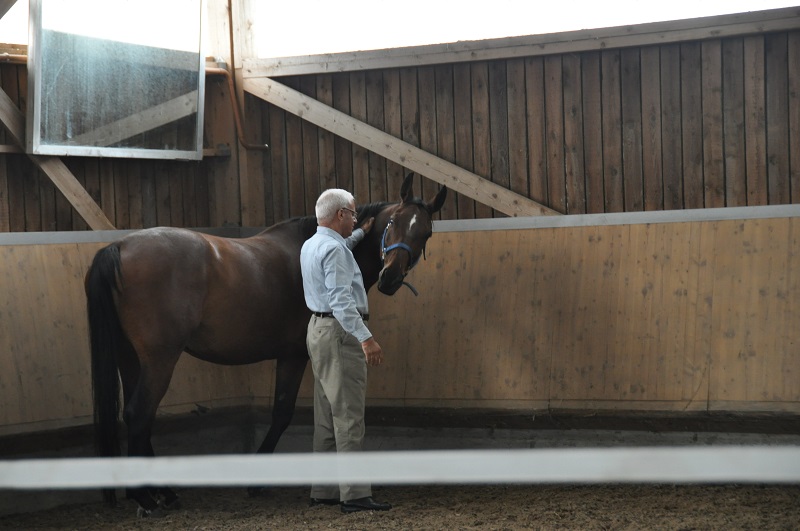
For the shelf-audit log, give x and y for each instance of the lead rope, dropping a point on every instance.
(399, 245)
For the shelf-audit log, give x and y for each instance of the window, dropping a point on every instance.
(116, 78)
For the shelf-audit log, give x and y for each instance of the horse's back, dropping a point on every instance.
(227, 300)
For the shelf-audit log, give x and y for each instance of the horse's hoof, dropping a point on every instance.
(258, 492)
(141, 512)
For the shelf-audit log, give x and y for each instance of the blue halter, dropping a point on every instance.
(398, 245)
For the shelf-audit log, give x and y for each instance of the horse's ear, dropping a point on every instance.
(406, 193)
(438, 201)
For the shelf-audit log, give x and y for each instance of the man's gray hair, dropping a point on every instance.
(330, 201)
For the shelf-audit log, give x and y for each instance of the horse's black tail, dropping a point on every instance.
(106, 336)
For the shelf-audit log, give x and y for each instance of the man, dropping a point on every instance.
(339, 343)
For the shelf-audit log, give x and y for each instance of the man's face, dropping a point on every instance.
(346, 220)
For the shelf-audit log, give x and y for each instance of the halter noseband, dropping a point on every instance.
(398, 245)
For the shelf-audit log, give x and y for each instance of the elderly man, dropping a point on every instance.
(339, 343)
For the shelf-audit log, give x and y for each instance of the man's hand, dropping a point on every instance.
(367, 226)
(372, 351)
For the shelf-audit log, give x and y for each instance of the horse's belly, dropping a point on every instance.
(238, 346)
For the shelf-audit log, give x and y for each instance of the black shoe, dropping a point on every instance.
(323, 501)
(364, 504)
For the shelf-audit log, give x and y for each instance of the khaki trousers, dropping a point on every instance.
(340, 387)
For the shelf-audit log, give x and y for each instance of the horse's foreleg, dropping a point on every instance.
(288, 377)
(139, 414)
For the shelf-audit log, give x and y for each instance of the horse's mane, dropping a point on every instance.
(308, 224)
(370, 210)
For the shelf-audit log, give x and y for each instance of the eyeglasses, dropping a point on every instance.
(352, 212)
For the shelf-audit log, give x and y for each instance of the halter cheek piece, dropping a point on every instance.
(405, 247)
(398, 245)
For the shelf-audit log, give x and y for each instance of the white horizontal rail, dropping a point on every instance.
(727, 464)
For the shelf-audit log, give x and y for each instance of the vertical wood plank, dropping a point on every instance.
(592, 132)
(733, 122)
(612, 131)
(445, 132)
(517, 141)
(12, 215)
(252, 163)
(691, 125)
(121, 196)
(498, 123)
(481, 137)
(325, 140)
(536, 129)
(5, 225)
(633, 186)
(554, 120)
(105, 174)
(294, 159)
(31, 190)
(310, 143)
(794, 113)
(162, 194)
(149, 200)
(394, 126)
(755, 121)
(462, 109)
(222, 173)
(426, 93)
(651, 128)
(134, 174)
(375, 118)
(344, 148)
(190, 203)
(47, 200)
(713, 141)
(175, 193)
(278, 139)
(410, 110)
(777, 118)
(671, 140)
(573, 135)
(358, 110)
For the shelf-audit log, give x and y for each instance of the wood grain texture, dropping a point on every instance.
(683, 316)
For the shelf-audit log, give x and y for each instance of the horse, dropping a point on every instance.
(159, 292)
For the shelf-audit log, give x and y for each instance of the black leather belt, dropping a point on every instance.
(364, 316)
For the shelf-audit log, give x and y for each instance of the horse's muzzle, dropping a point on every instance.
(389, 282)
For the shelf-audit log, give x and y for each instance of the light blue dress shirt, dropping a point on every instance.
(332, 280)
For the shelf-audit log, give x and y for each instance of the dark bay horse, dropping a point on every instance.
(159, 292)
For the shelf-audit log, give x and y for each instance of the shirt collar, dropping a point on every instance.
(330, 232)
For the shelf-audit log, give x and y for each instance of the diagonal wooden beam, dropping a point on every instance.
(141, 122)
(394, 149)
(13, 119)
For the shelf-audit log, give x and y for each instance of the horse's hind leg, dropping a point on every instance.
(141, 402)
(288, 377)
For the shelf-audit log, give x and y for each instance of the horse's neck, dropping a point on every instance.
(299, 229)
(368, 254)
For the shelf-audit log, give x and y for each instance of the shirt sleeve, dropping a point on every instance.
(338, 285)
(355, 238)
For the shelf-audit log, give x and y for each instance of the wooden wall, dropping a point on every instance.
(683, 316)
(696, 124)
(691, 125)
(133, 193)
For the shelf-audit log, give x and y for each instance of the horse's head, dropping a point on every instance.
(405, 235)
